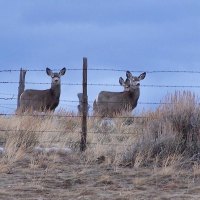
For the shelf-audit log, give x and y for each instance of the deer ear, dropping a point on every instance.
(142, 76)
(62, 71)
(128, 74)
(80, 97)
(121, 81)
(48, 71)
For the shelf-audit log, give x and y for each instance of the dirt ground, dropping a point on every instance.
(69, 177)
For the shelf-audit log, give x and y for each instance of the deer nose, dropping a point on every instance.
(138, 84)
(56, 80)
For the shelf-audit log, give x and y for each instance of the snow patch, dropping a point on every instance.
(52, 150)
(1, 150)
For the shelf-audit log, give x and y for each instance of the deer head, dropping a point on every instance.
(55, 76)
(132, 82)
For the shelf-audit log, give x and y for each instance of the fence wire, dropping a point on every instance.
(104, 84)
(14, 97)
(74, 142)
(117, 69)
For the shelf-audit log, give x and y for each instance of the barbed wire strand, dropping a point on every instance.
(107, 133)
(72, 116)
(105, 69)
(91, 102)
(104, 84)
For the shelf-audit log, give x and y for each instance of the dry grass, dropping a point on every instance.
(124, 157)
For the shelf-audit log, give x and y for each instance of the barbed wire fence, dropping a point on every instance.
(84, 115)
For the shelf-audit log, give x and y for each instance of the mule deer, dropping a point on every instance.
(43, 100)
(109, 104)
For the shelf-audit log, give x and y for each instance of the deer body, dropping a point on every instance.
(43, 100)
(113, 103)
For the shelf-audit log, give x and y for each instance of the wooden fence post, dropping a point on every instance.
(85, 107)
(21, 85)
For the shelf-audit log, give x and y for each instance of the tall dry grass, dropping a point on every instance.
(167, 137)
(172, 131)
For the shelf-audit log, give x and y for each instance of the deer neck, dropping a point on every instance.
(134, 96)
(55, 90)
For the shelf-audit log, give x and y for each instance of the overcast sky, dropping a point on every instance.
(143, 35)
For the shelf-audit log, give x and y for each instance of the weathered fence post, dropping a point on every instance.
(85, 107)
(21, 85)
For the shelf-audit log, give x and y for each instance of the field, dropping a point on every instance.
(151, 156)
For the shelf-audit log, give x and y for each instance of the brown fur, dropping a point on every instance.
(42, 100)
(109, 104)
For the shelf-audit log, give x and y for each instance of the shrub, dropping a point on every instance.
(173, 129)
